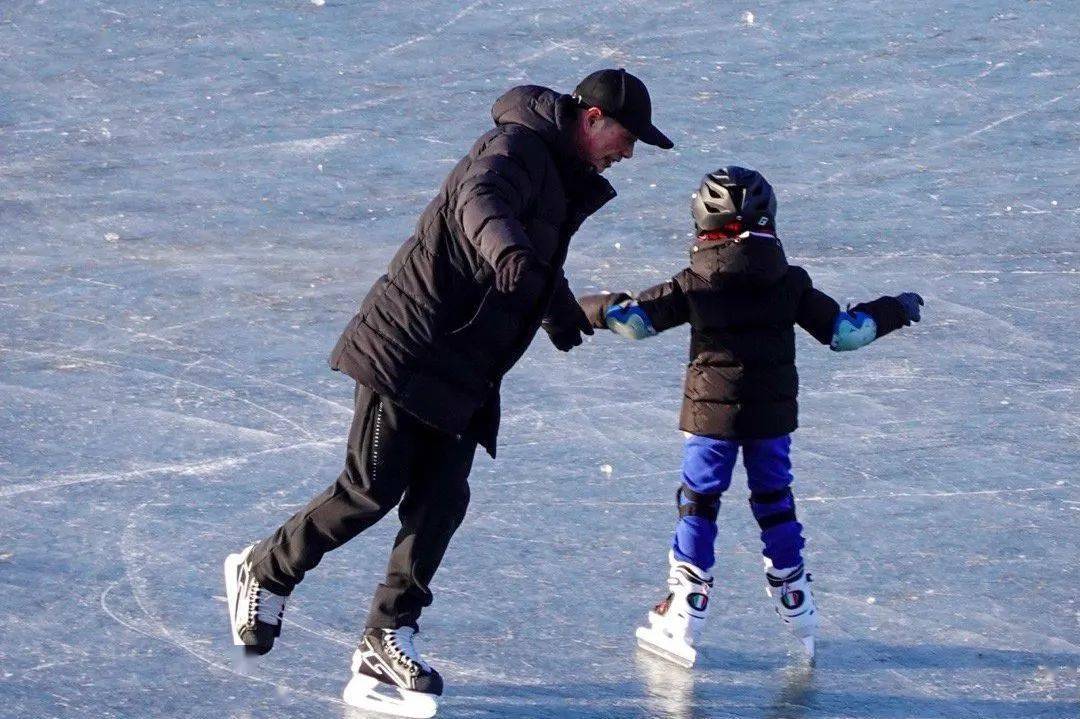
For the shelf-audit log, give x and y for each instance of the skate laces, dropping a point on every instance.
(264, 605)
(399, 644)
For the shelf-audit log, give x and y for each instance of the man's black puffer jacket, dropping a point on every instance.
(742, 301)
(433, 334)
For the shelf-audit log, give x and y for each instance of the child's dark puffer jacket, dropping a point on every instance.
(742, 301)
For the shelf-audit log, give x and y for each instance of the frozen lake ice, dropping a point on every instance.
(194, 197)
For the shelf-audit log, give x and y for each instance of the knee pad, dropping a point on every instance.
(766, 514)
(697, 504)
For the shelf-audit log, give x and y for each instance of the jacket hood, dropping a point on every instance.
(551, 115)
(546, 112)
(751, 260)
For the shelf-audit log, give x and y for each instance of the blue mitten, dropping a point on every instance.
(852, 330)
(629, 320)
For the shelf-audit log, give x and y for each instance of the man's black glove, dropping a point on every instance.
(567, 336)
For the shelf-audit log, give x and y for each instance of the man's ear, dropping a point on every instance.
(591, 116)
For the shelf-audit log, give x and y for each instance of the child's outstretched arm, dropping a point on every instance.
(658, 308)
(859, 325)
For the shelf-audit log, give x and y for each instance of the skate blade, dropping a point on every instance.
(665, 647)
(232, 588)
(810, 648)
(369, 694)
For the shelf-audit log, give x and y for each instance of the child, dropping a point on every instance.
(742, 301)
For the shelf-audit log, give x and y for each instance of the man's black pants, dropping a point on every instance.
(392, 457)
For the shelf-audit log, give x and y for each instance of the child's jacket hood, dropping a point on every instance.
(751, 260)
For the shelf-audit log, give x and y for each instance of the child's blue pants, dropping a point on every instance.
(707, 467)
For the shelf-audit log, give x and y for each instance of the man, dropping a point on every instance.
(459, 305)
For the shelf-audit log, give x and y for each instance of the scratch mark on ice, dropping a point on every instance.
(203, 467)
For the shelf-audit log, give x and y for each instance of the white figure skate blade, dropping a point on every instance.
(809, 646)
(666, 647)
(369, 694)
(232, 588)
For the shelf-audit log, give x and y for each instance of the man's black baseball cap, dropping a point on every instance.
(622, 96)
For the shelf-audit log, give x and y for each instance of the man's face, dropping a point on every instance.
(603, 141)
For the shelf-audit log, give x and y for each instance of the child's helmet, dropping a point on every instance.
(734, 197)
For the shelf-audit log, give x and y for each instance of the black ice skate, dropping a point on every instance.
(390, 676)
(255, 613)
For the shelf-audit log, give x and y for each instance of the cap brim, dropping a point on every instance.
(651, 136)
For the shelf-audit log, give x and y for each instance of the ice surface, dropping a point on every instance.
(194, 196)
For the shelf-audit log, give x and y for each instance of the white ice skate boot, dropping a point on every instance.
(389, 676)
(790, 588)
(675, 622)
(255, 613)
